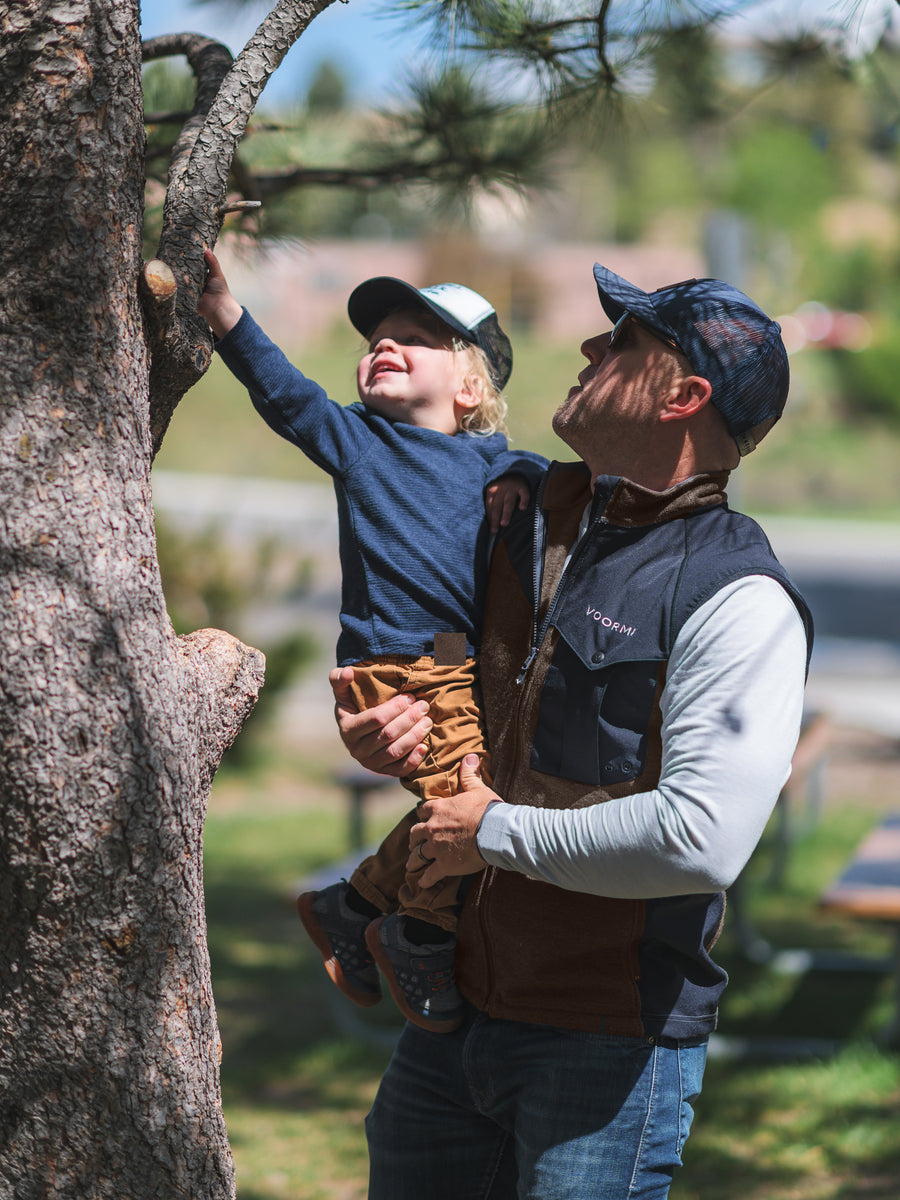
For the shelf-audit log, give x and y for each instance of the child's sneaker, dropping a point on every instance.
(420, 978)
(339, 934)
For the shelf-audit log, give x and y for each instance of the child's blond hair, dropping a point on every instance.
(490, 415)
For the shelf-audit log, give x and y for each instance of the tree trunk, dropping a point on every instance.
(111, 727)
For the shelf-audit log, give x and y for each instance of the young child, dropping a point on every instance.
(411, 465)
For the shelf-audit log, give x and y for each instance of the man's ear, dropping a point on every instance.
(687, 396)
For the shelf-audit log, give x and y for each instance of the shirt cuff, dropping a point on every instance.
(233, 333)
(492, 835)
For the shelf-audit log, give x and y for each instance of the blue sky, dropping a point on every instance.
(372, 50)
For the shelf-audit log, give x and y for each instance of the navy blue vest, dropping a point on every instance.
(620, 605)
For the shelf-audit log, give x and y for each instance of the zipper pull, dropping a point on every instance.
(532, 655)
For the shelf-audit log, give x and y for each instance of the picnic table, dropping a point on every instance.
(869, 889)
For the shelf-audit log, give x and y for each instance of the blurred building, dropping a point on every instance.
(299, 292)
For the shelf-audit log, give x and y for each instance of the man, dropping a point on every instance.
(643, 665)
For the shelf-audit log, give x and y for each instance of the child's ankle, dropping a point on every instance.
(357, 903)
(421, 933)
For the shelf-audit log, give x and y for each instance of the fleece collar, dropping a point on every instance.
(625, 503)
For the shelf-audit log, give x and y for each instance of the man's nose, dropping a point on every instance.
(594, 348)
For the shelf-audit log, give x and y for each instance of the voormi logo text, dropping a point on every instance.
(608, 623)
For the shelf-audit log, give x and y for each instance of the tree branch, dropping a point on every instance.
(441, 168)
(364, 179)
(210, 61)
(227, 677)
(609, 74)
(197, 188)
(166, 118)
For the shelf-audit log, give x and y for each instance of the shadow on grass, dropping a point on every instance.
(787, 1131)
(276, 1007)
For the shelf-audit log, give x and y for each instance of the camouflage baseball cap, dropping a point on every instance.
(725, 337)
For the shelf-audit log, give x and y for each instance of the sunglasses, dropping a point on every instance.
(625, 318)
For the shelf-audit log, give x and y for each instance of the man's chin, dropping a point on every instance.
(560, 425)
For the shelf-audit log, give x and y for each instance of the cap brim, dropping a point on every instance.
(618, 296)
(373, 299)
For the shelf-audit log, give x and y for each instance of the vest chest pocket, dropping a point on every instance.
(593, 720)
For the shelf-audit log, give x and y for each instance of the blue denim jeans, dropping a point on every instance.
(503, 1110)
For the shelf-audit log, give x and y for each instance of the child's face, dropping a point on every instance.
(412, 374)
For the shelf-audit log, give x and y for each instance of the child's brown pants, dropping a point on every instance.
(452, 692)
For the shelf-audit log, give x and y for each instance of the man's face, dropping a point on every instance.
(617, 396)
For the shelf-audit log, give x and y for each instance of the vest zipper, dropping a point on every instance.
(539, 629)
(537, 572)
(540, 532)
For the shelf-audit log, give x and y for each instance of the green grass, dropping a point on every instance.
(295, 1090)
(823, 1129)
(816, 1131)
(297, 1085)
(811, 463)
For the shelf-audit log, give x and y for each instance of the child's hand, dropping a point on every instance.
(216, 303)
(503, 497)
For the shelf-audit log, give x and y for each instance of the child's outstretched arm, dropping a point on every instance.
(217, 304)
(503, 497)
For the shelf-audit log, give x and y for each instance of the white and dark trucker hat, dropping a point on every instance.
(467, 313)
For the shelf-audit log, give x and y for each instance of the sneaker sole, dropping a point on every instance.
(322, 943)
(378, 952)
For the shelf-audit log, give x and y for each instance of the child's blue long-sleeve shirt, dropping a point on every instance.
(413, 536)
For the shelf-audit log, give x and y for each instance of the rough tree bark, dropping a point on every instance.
(111, 727)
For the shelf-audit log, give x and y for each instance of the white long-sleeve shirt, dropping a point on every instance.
(731, 710)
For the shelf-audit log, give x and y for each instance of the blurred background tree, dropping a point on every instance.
(210, 582)
(613, 118)
(513, 91)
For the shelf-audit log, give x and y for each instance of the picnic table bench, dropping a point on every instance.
(869, 889)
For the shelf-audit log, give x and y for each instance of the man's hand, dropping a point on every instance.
(217, 304)
(503, 497)
(447, 837)
(388, 738)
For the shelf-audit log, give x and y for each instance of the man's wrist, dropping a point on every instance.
(485, 834)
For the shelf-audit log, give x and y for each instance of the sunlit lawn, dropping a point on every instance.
(298, 1078)
(827, 1128)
